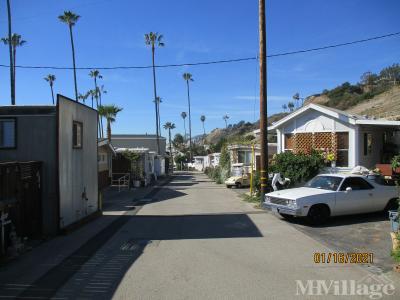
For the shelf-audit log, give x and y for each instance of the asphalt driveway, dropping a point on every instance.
(366, 233)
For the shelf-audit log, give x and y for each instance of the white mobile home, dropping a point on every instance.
(353, 139)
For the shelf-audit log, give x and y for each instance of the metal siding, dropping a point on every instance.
(77, 167)
(36, 141)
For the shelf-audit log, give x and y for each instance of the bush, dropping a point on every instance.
(298, 167)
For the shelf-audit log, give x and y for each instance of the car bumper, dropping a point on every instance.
(281, 209)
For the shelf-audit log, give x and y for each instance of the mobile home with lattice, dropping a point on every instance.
(354, 140)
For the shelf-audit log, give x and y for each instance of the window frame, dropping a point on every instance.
(73, 142)
(15, 133)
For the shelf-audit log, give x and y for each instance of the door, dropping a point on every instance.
(355, 195)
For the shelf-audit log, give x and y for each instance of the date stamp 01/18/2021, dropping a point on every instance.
(343, 258)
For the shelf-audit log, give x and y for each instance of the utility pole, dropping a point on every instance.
(263, 99)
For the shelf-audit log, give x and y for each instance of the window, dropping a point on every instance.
(244, 157)
(8, 133)
(342, 141)
(356, 183)
(77, 134)
(367, 143)
(289, 141)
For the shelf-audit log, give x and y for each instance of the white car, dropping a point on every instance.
(333, 195)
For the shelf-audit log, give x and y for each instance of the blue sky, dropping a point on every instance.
(110, 33)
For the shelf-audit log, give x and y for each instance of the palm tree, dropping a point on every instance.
(159, 100)
(169, 126)
(284, 107)
(83, 97)
(11, 54)
(98, 91)
(96, 74)
(16, 41)
(188, 77)
(225, 118)
(70, 19)
(110, 113)
(50, 79)
(184, 115)
(92, 94)
(154, 40)
(203, 119)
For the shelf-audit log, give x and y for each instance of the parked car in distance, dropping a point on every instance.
(333, 195)
(238, 178)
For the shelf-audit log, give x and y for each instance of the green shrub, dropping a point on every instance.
(297, 167)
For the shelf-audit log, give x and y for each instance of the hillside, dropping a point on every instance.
(376, 95)
(241, 129)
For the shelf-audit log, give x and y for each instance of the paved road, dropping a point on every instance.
(193, 239)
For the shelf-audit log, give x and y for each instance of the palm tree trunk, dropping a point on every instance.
(155, 100)
(73, 62)
(14, 62)
(184, 126)
(170, 153)
(190, 122)
(99, 103)
(109, 130)
(92, 100)
(11, 55)
(52, 92)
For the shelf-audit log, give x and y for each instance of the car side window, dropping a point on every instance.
(356, 183)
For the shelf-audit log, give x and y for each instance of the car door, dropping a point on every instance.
(355, 195)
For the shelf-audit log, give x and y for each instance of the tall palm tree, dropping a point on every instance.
(92, 94)
(98, 91)
(11, 54)
(169, 126)
(154, 40)
(70, 19)
(184, 115)
(16, 41)
(159, 100)
(203, 119)
(284, 107)
(96, 74)
(226, 117)
(50, 79)
(110, 113)
(188, 77)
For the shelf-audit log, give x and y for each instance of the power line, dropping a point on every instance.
(211, 62)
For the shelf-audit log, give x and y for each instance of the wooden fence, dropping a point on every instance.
(21, 197)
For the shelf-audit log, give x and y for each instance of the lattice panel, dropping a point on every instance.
(323, 140)
(304, 143)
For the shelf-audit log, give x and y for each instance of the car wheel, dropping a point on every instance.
(287, 217)
(228, 186)
(393, 204)
(318, 214)
(238, 185)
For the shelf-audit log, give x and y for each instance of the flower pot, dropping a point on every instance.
(333, 163)
(394, 220)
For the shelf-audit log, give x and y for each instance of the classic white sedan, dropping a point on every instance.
(333, 195)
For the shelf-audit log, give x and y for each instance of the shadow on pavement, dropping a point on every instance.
(97, 267)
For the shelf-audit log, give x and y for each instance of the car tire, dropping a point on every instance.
(238, 185)
(228, 186)
(318, 215)
(287, 217)
(393, 204)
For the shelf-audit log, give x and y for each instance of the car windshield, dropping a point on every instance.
(237, 172)
(324, 182)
